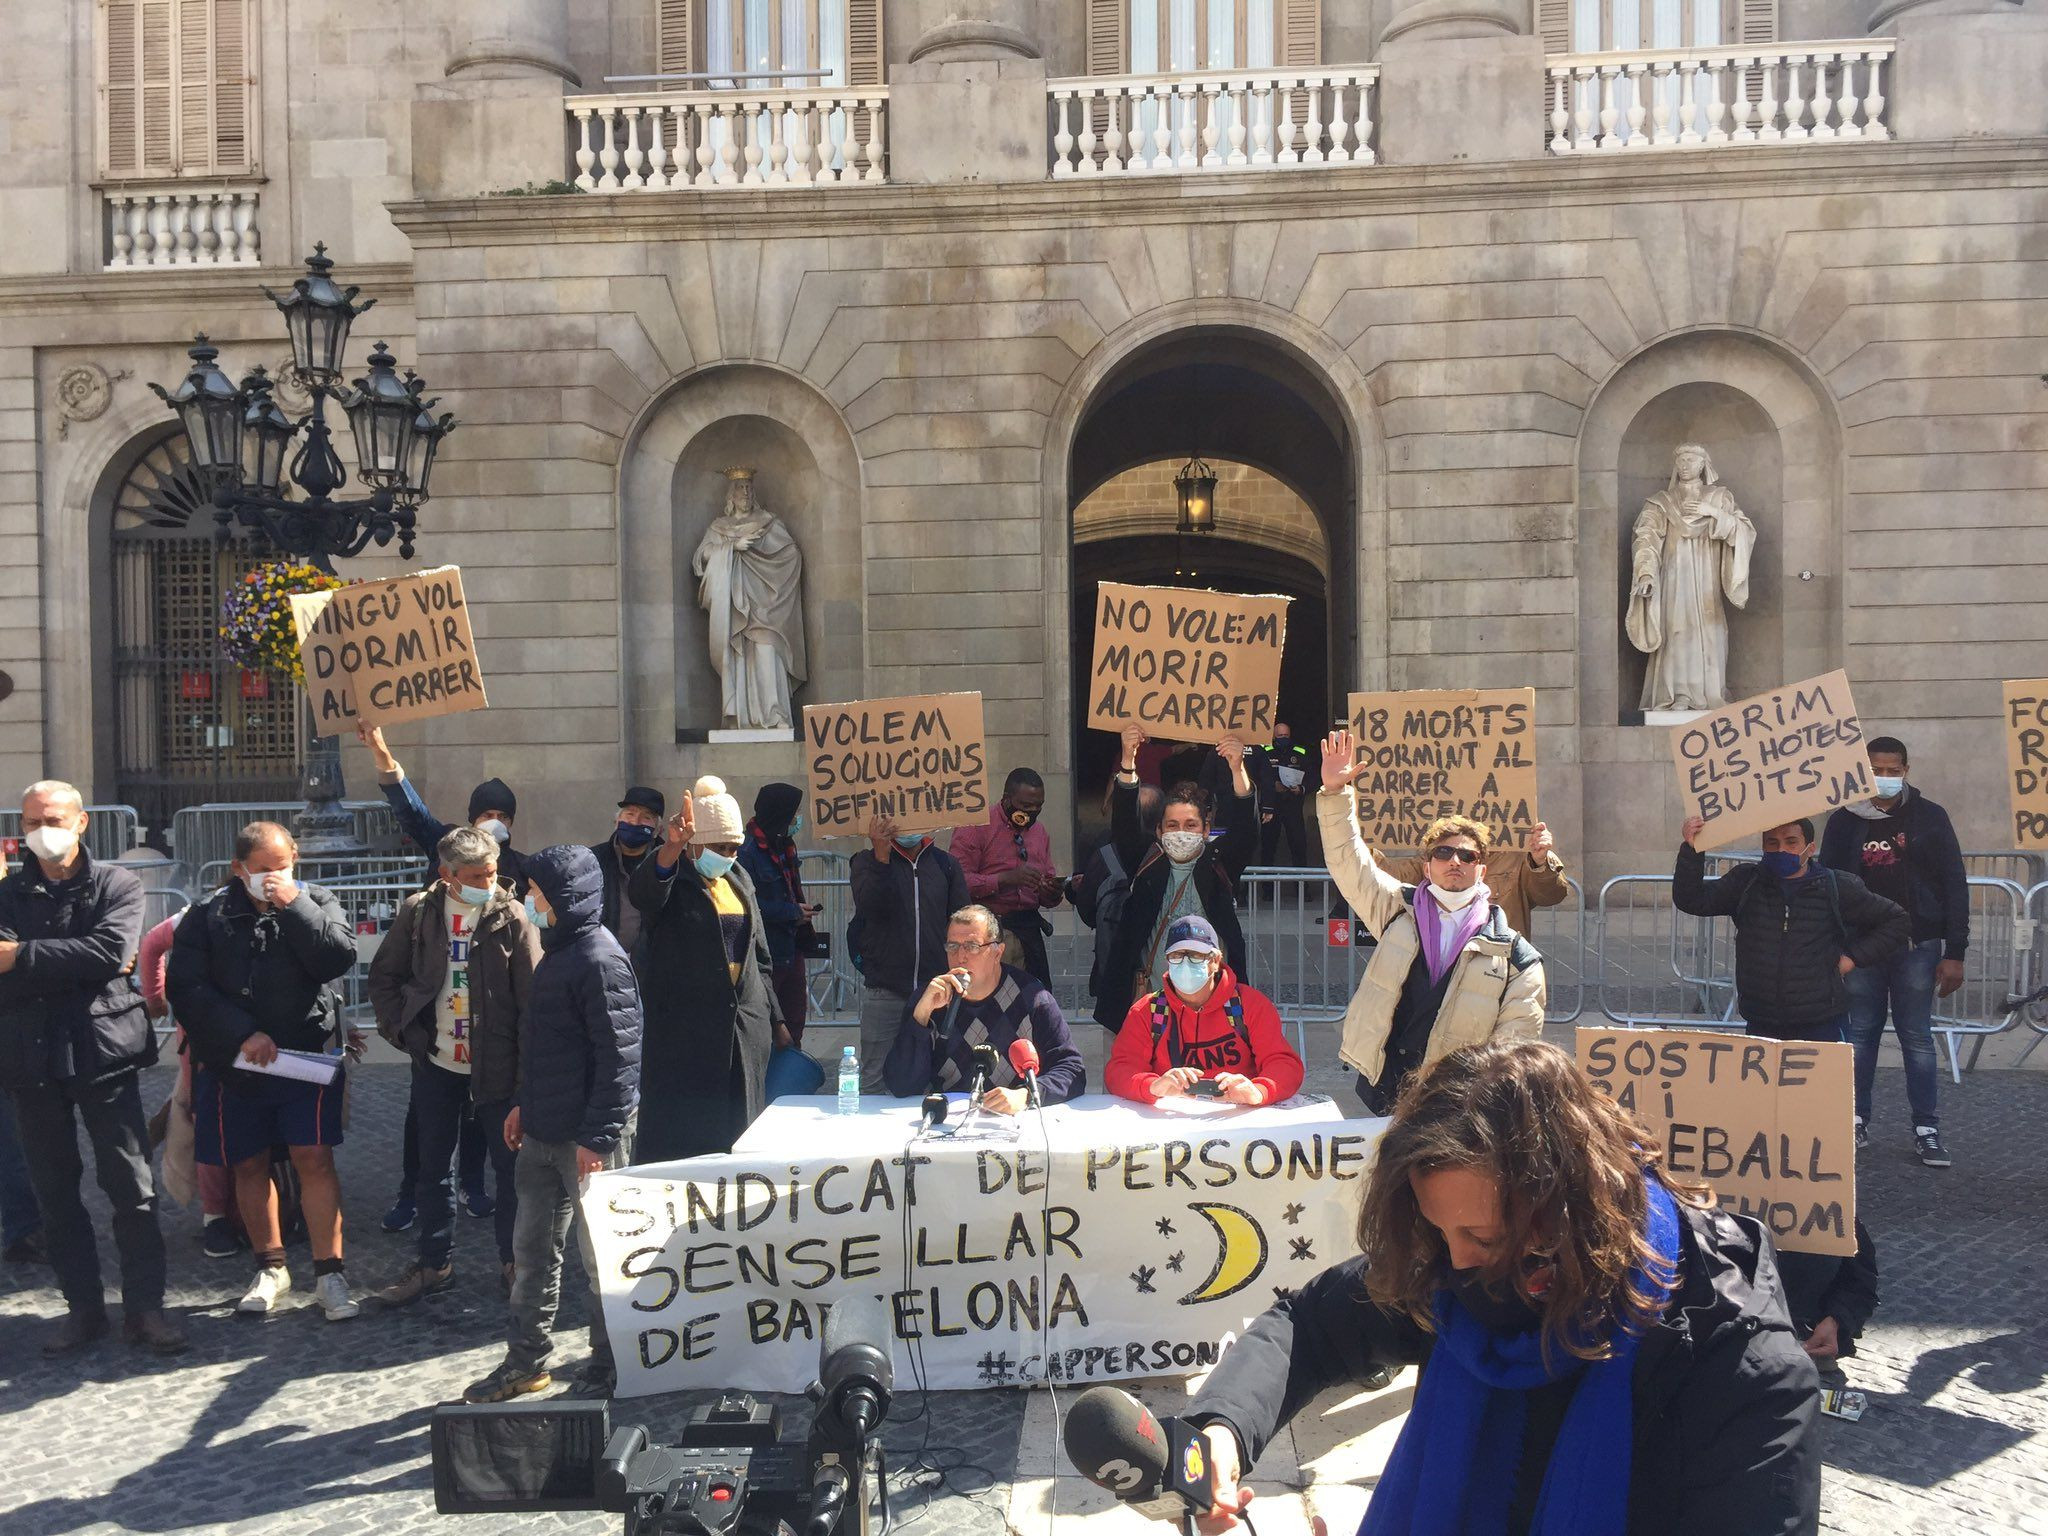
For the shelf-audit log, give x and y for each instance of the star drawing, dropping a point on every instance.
(1142, 1277)
(1165, 1227)
(1299, 1248)
(1292, 1215)
(1175, 1261)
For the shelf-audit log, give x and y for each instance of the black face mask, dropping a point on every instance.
(1018, 817)
(1499, 1308)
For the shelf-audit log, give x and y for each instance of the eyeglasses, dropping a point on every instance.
(972, 949)
(1446, 853)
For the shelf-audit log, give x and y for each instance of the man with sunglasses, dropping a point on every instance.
(1448, 969)
(998, 1004)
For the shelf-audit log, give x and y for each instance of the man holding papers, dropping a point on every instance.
(248, 980)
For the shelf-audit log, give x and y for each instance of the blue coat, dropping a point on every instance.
(579, 1044)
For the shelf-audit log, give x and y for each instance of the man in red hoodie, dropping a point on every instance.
(1204, 1025)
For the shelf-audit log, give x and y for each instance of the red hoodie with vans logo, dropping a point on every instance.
(1207, 1040)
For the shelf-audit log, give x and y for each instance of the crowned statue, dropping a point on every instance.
(750, 581)
(1691, 564)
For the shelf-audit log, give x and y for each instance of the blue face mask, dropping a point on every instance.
(712, 865)
(908, 841)
(539, 918)
(1782, 866)
(475, 895)
(1188, 973)
(796, 825)
(631, 836)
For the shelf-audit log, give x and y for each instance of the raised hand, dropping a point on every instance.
(1340, 759)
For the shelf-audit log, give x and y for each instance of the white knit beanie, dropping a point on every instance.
(718, 813)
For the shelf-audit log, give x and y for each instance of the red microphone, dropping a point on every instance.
(1024, 1062)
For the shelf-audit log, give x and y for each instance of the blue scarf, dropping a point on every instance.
(1453, 1470)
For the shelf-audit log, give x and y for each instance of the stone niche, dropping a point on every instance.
(672, 484)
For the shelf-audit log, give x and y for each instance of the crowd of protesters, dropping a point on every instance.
(576, 1008)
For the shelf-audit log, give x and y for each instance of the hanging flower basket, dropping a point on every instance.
(256, 616)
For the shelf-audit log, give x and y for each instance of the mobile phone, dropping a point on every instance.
(1205, 1089)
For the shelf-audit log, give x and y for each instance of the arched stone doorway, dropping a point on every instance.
(1259, 413)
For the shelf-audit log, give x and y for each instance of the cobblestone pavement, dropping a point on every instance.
(296, 1425)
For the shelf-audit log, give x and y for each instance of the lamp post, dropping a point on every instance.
(240, 435)
(1195, 489)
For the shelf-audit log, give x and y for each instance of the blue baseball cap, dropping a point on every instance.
(1192, 936)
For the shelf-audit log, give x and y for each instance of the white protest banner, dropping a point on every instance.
(2026, 760)
(1445, 752)
(1136, 1245)
(1769, 1124)
(1794, 752)
(388, 651)
(1186, 665)
(919, 761)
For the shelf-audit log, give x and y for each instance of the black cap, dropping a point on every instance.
(492, 795)
(647, 799)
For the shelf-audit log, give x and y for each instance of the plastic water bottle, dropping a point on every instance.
(849, 1082)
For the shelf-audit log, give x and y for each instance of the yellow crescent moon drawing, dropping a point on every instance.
(1240, 1257)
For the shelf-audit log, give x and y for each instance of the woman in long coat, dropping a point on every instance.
(704, 966)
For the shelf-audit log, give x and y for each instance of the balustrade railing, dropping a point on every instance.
(1678, 98)
(1222, 120)
(701, 139)
(174, 224)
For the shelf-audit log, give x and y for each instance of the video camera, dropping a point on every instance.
(732, 1474)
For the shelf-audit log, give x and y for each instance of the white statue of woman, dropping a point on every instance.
(750, 580)
(1692, 546)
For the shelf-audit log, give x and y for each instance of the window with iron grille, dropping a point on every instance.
(190, 726)
(177, 88)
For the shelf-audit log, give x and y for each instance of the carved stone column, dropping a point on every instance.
(1460, 80)
(497, 121)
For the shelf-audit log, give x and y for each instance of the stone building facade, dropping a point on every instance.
(1413, 286)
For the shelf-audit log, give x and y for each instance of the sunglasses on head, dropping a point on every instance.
(1463, 855)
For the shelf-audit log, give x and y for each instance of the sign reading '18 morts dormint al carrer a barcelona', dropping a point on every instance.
(918, 761)
(388, 651)
(1186, 665)
(1457, 752)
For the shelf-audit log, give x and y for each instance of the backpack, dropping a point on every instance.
(1109, 913)
(1233, 1010)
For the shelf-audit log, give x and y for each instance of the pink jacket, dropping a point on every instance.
(988, 852)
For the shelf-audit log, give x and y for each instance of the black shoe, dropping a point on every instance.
(1932, 1153)
(26, 1250)
(73, 1334)
(506, 1382)
(401, 1215)
(594, 1381)
(479, 1203)
(1862, 1135)
(218, 1239)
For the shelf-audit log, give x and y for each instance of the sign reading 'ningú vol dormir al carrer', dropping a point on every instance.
(384, 652)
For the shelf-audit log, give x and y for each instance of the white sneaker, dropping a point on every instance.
(331, 1291)
(265, 1291)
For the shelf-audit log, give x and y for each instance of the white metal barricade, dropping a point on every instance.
(201, 835)
(1998, 971)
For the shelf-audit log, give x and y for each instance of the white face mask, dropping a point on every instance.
(56, 844)
(496, 828)
(1183, 847)
(1455, 901)
(256, 879)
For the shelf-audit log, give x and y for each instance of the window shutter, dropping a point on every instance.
(156, 87)
(120, 63)
(233, 131)
(675, 40)
(863, 68)
(1554, 25)
(195, 85)
(1109, 37)
(1757, 24)
(1301, 33)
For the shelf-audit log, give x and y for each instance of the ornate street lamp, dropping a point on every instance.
(239, 437)
(1195, 487)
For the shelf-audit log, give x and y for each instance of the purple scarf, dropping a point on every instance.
(1429, 921)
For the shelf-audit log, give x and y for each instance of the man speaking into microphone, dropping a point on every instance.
(979, 1001)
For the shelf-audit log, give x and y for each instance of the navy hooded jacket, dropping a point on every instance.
(579, 1044)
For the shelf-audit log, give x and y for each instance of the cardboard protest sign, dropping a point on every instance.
(1186, 665)
(2026, 760)
(1120, 1244)
(919, 761)
(1797, 751)
(388, 651)
(1445, 752)
(1769, 1124)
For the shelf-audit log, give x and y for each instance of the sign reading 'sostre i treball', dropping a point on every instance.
(1186, 665)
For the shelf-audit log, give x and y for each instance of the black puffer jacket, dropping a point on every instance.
(900, 907)
(704, 1065)
(235, 972)
(1726, 1401)
(579, 1044)
(1220, 865)
(1788, 979)
(67, 1010)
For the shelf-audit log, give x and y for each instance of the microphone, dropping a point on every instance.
(1163, 1469)
(986, 1065)
(1024, 1062)
(932, 1113)
(855, 1375)
(942, 1031)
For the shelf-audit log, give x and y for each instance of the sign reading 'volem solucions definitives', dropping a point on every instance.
(918, 761)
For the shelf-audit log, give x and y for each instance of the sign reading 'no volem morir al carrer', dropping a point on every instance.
(1186, 665)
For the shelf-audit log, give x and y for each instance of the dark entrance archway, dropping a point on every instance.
(1229, 395)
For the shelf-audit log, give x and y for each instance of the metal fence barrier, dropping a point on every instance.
(201, 835)
(112, 831)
